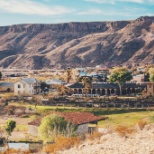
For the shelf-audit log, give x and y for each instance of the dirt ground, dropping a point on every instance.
(16, 134)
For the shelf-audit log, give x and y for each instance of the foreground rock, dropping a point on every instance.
(141, 142)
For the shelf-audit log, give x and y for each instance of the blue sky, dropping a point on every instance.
(60, 11)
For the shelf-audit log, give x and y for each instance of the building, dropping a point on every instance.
(138, 78)
(54, 82)
(6, 86)
(150, 88)
(27, 86)
(104, 88)
(85, 122)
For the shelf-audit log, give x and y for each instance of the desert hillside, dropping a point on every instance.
(37, 46)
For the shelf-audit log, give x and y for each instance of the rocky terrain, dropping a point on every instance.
(37, 46)
(141, 142)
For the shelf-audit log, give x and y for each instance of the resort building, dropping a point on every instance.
(104, 88)
(27, 86)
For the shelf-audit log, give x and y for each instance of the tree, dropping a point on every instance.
(10, 125)
(63, 90)
(87, 82)
(68, 75)
(0, 75)
(37, 100)
(151, 72)
(152, 78)
(54, 125)
(120, 76)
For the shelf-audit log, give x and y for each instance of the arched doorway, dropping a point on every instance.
(89, 91)
(103, 91)
(108, 92)
(99, 91)
(93, 91)
(123, 91)
(80, 91)
(133, 91)
(75, 91)
(112, 91)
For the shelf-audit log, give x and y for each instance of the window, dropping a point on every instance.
(19, 86)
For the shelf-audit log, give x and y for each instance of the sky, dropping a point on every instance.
(62, 11)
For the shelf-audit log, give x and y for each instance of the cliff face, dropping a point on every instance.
(37, 46)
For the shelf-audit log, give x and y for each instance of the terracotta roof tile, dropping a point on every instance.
(76, 118)
(35, 122)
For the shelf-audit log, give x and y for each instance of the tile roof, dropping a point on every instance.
(106, 85)
(35, 122)
(79, 118)
(76, 118)
(30, 80)
(6, 84)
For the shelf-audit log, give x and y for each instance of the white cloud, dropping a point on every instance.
(115, 1)
(31, 7)
(101, 1)
(90, 12)
(151, 1)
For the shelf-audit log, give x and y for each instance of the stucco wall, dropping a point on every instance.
(82, 129)
(33, 130)
(5, 89)
(150, 89)
(24, 88)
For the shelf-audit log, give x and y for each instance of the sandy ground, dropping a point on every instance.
(141, 142)
(19, 121)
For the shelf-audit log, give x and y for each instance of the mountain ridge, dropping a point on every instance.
(38, 46)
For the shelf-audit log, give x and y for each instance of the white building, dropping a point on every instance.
(27, 86)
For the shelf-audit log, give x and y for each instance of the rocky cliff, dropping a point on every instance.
(37, 46)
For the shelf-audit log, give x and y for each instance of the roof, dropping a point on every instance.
(6, 84)
(82, 74)
(76, 85)
(107, 85)
(76, 118)
(79, 118)
(54, 81)
(30, 80)
(35, 122)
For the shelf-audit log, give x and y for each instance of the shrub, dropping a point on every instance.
(124, 131)
(93, 135)
(62, 143)
(141, 124)
(13, 151)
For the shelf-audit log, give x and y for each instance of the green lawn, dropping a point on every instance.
(128, 119)
(118, 116)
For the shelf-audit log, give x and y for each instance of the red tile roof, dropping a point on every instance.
(79, 118)
(76, 118)
(35, 122)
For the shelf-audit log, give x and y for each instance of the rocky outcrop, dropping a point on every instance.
(37, 46)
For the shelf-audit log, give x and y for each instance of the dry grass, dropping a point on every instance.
(124, 131)
(94, 135)
(142, 124)
(62, 143)
(13, 151)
